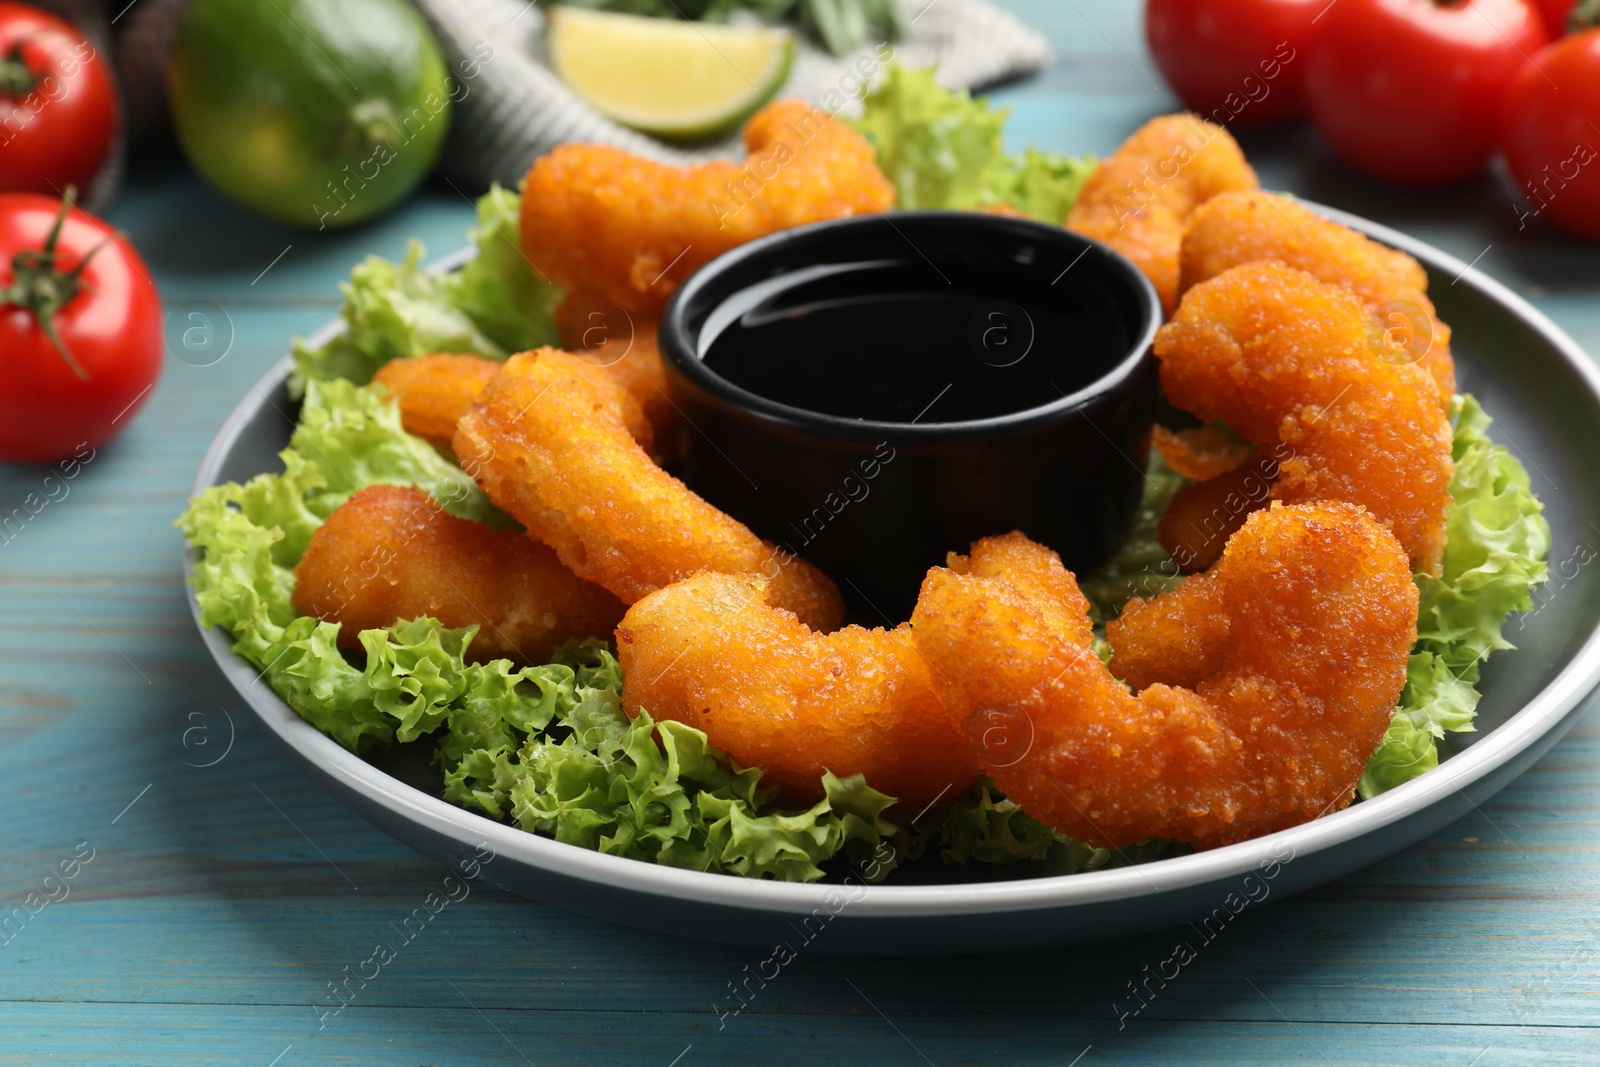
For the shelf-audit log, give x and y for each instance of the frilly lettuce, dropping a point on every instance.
(353, 436)
(984, 826)
(593, 777)
(1044, 185)
(942, 148)
(1140, 566)
(493, 306)
(1494, 556)
(498, 289)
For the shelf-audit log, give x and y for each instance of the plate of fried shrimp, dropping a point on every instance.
(446, 553)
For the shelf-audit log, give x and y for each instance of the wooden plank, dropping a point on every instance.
(201, 247)
(450, 1031)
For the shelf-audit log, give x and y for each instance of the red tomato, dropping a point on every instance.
(67, 274)
(1406, 90)
(1554, 13)
(58, 103)
(1233, 61)
(1551, 136)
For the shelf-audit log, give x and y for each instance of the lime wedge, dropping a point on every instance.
(673, 79)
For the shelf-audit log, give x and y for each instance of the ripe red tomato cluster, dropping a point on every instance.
(1416, 92)
(80, 320)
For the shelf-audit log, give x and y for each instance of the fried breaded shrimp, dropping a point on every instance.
(1249, 225)
(1316, 613)
(709, 652)
(631, 230)
(1201, 517)
(588, 320)
(1180, 637)
(549, 442)
(1283, 359)
(1139, 198)
(434, 391)
(390, 553)
(627, 346)
(1201, 452)
(1177, 638)
(635, 364)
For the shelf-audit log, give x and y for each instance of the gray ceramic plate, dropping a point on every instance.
(1544, 393)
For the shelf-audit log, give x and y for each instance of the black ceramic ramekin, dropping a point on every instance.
(876, 501)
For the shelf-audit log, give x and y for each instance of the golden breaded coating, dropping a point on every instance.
(1201, 452)
(1201, 517)
(435, 390)
(1139, 198)
(1176, 638)
(1036, 572)
(588, 320)
(630, 230)
(390, 553)
(549, 442)
(627, 346)
(1249, 225)
(1283, 359)
(635, 364)
(709, 652)
(1320, 614)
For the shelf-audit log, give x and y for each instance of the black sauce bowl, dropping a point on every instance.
(838, 450)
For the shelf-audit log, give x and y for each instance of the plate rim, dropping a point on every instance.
(1539, 717)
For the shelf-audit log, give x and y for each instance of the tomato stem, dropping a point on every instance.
(40, 285)
(1585, 15)
(15, 78)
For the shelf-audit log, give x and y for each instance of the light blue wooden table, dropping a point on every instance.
(221, 901)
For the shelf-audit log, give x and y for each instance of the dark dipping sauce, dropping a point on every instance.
(872, 393)
(902, 341)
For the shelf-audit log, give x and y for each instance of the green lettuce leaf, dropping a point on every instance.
(1140, 567)
(390, 310)
(943, 148)
(498, 289)
(1434, 701)
(241, 577)
(1044, 185)
(353, 436)
(306, 669)
(593, 777)
(243, 583)
(1494, 555)
(493, 306)
(1495, 552)
(984, 826)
